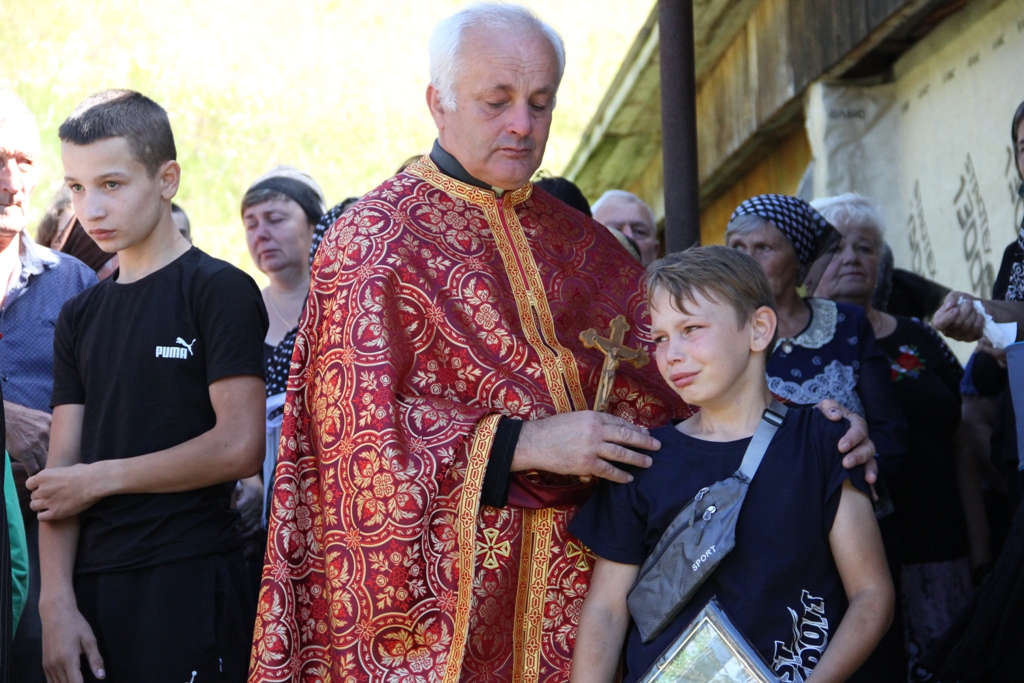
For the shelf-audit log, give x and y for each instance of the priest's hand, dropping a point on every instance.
(584, 443)
(859, 449)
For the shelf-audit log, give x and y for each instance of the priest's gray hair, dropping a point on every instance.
(627, 196)
(446, 59)
(854, 210)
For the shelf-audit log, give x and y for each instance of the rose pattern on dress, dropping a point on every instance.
(908, 364)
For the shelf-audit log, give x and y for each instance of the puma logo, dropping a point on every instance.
(181, 352)
(188, 346)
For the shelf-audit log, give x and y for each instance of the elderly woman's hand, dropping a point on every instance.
(958, 319)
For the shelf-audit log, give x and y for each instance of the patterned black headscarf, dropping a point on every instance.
(811, 235)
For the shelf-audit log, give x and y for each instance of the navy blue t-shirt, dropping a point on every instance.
(780, 585)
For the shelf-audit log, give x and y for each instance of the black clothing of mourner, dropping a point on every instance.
(160, 577)
(140, 357)
(926, 377)
(276, 362)
(171, 612)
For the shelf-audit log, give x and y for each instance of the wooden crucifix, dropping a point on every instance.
(614, 353)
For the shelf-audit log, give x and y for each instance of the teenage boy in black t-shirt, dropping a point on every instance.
(806, 539)
(158, 409)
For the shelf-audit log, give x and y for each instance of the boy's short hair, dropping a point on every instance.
(723, 275)
(123, 114)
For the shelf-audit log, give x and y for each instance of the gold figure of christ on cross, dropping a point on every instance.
(614, 353)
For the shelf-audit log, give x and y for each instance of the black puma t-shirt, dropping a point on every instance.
(779, 585)
(140, 357)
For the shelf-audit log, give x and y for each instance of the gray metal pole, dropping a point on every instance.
(679, 124)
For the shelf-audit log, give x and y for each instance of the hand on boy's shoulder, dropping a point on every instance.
(826, 436)
(827, 432)
(857, 447)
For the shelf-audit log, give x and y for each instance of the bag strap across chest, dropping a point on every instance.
(771, 420)
(698, 537)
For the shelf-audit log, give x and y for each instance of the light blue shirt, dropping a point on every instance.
(28, 317)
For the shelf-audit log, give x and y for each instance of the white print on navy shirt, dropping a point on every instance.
(184, 351)
(793, 663)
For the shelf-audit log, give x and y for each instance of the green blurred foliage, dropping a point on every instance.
(335, 87)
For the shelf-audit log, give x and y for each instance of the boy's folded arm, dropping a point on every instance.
(603, 623)
(66, 635)
(860, 558)
(232, 449)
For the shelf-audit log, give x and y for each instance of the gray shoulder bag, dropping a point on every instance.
(698, 538)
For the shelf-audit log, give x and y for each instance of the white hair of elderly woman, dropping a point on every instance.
(852, 209)
(446, 41)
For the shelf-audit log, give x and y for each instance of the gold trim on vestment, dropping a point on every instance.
(528, 635)
(557, 363)
(563, 381)
(469, 506)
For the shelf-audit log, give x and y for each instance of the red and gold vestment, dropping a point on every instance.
(435, 309)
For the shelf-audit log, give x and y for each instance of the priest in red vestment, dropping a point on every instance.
(437, 411)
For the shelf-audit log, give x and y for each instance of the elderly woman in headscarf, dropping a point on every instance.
(280, 212)
(825, 350)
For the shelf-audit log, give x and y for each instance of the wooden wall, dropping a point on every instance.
(749, 99)
(778, 171)
(752, 97)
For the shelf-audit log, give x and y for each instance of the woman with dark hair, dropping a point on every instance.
(56, 219)
(280, 212)
(1015, 285)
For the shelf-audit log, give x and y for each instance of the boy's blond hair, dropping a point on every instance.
(720, 274)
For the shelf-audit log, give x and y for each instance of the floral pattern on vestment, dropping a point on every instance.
(436, 308)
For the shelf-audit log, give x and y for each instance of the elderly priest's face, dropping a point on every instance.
(504, 94)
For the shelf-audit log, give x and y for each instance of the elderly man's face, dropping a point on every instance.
(631, 219)
(504, 97)
(19, 151)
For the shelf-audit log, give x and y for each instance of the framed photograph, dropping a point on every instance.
(710, 650)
